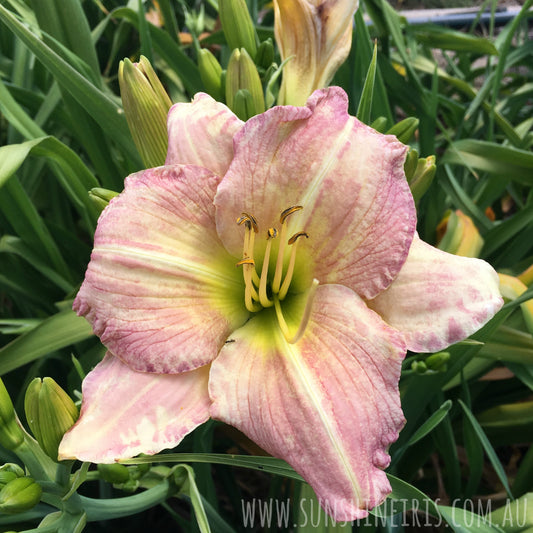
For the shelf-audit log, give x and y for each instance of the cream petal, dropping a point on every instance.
(316, 35)
(329, 404)
(201, 133)
(357, 207)
(126, 413)
(160, 291)
(439, 298)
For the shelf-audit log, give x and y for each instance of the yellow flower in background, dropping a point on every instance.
(317, 36)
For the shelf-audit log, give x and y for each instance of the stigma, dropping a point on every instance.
(270, 286)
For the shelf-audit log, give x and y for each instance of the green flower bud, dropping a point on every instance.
(6, 477)
(114, 473)
(101, 197)
(146, 106)
(211, 74)
(50, 413)
(19, 495)
(242, 75)
(422, 177)
(459, 235)
(237, 25)
(11, 434)
(379, 124)
(438, 362)
(265, 54)
(419, 367)
(405, 129)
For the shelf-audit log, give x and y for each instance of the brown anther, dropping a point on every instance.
(245, 217)
(272, 233)
(296, 236)
(289, 211)
(245, 261)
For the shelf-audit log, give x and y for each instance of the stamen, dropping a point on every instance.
(305, 317)
(245, 217)
(272, 233)
(281, 251)
(250, 294)
(289, 211)
(290, 269)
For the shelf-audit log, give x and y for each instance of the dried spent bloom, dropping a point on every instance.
(269, 276)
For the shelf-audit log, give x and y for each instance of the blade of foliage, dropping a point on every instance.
(434, 420)
(487, 446)
(364, 111)
(169, 50)
(462, 520)
(507, 161)
(448, 39)
(99, 105)
(51, 334)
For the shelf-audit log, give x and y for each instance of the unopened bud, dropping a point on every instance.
(419, 367)
(211, 74)
(422, 177)
(114, 473)
(438, 362)
(526, 277)
(511, 288)
(101, 197)
(11, 434)
(237, 25)
(242, 75)
(265, 54)
(50, 412)
(409, 167)
(146, 105)
(459, 235)
(405, 129)
(19, 495)
(379, 124)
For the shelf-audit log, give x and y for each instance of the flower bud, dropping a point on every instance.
(419, 367)
(438, 362)
(114, 473)
(11, 434)
(146, 106)
(101, 197)
(50, 413)
(265, 54)
(242, 75)
(211, 74)
(19, 495)
(405, 129)
(526, 277)
(511, 288)
(237, 25)
(459, 235)
(421, 178)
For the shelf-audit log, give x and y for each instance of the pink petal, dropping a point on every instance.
(357, 207)
(329, 404)
(201, 133)
(439, 298)
(125, 413)
(160, 291)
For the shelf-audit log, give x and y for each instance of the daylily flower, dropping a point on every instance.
(269, 276)
(316, 35)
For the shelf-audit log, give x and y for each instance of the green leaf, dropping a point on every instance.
(462, 520)
(404, 497)
(447, 39)
(506, 161)
(434, 420)
(364, 111)
(51, 334)
(104, 110)
(191, 490)
(489, 450)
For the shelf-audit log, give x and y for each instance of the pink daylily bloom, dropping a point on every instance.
(269, 276)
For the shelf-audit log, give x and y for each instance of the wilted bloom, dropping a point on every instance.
(317, 36)
(241, 281)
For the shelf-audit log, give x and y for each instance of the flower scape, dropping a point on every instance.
(269, 276)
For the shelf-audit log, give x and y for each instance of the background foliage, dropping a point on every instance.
(464, 97)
